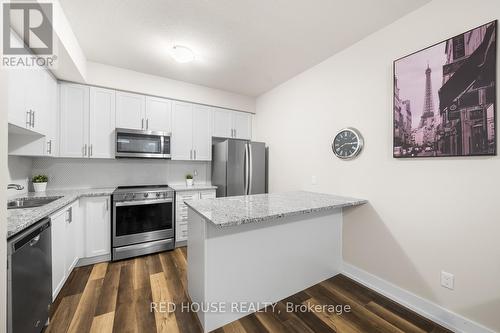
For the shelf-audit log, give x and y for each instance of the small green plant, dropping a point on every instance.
(189, 176)
(40, 179)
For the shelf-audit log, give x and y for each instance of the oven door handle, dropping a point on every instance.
(141, 202)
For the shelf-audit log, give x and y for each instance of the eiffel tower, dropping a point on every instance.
(427, 118)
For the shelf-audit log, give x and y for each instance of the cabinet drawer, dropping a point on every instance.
(181, 231)
(187, 196)
(207, 194)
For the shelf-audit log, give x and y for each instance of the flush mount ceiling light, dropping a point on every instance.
(182, 54)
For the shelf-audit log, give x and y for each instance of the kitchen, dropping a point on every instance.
(175, 169)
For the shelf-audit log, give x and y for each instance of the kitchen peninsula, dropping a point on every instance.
(247, 252)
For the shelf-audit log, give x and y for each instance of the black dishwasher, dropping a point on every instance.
(29, 279)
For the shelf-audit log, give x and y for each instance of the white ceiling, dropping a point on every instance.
(243, 46)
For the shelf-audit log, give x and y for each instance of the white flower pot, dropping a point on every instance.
(189, 182)
(40, 187)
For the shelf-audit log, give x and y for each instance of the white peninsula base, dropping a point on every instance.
(259, 263)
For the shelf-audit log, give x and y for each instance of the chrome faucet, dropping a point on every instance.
(15, 186)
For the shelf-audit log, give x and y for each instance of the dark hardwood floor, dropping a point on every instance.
(116, 297)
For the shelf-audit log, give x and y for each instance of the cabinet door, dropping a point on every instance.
(101, 123)
(73, 244)
(74, 116)
(130, 111)
(18, 114)
(242, 124)
(182, 131)
(158, 114)
(58, 239)
(28, 145)
(37, 99)
(97, 226)
(223, 123)
(51, 143)
(202, 134)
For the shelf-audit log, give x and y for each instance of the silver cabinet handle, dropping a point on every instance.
(33, 121)
(70, 215)
(147, 123)
(28, 118)
(107, 205)
(191, 154)
(90, 150)
(49, 147)
(195, 154)
(85, 150)
(142, 123)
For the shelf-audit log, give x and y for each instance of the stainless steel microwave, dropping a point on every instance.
(141, 144)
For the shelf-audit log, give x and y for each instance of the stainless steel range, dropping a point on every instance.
(143, 220)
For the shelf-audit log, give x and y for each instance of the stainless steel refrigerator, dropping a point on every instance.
(239, 167)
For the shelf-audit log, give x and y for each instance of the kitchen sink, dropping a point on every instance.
(30, 202)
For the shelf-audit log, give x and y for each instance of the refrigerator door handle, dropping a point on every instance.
(245, 167)
(250, 168)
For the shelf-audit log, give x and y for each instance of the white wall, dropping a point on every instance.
(425, 215)
(19, 172)
(87, 173)
(124, 79)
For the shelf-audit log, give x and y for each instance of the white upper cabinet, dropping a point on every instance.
(182, 131)
(51, 143)
(191, 132)
(223, 123)
(158, 114)
(130, 111)
(202, 134)
(242, 124)
(232, 124)
(87, 121)
(101, 123)
(18, 113)
(27, 95)
(74, 119)
(36, 145)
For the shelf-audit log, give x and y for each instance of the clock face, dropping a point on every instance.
(347, 143)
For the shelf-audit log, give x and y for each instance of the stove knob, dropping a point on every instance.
(158, 194)
(133, 196)
(146, 195)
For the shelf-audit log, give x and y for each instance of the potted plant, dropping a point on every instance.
(40, 183)
(189, 179)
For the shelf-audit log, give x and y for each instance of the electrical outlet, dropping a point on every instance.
(313, 180)
(447, 280)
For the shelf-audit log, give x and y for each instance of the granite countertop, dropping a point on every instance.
(231, 211)
(22, 218)
(195, 187)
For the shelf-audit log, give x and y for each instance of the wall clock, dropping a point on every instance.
(347, 144)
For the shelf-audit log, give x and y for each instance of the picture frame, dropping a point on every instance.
(444, 97)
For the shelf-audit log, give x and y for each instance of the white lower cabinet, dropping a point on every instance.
(181, 228)
(79, 230)
(65, 225)
(97, 226)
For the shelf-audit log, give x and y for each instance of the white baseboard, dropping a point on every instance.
(93, 260)
(428, 309)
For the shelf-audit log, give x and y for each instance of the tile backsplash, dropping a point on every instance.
(86, 173)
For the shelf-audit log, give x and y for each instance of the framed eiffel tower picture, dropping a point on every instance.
(445, 97)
